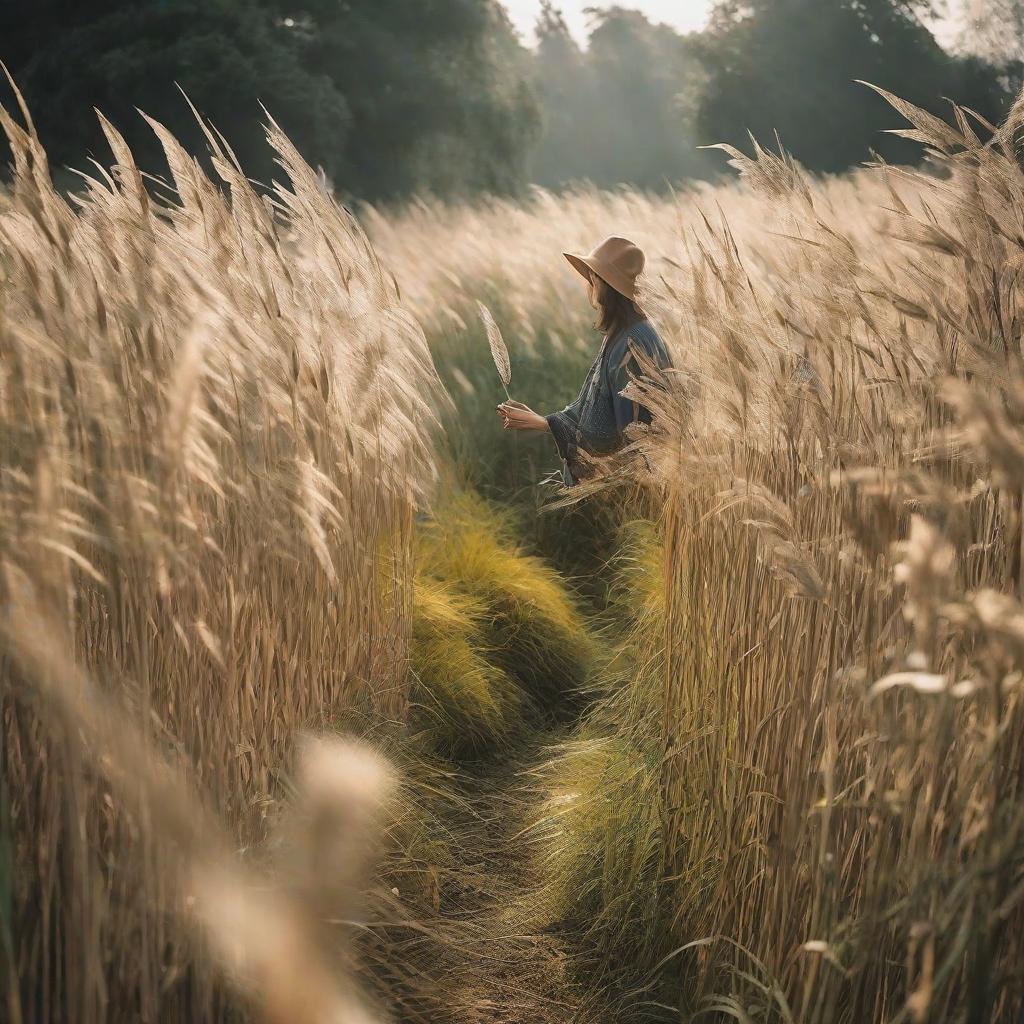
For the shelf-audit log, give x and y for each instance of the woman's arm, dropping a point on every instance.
(516, 416)
(561, 425)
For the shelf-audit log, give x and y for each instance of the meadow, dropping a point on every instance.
(318, 703)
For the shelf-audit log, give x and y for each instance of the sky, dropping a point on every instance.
(683, 15)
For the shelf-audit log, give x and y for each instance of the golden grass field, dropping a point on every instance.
(312, 713)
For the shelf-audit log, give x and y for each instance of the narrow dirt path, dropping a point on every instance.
(516, 973)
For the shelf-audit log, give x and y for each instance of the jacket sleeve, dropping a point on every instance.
(563, 426)
(622, 368)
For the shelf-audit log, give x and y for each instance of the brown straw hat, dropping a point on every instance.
(617, 261)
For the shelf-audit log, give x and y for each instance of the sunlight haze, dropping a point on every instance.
(682, 15)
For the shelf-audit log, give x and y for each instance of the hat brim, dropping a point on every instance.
(585, 266)
(579, 264)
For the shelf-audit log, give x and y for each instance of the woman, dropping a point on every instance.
(595, 422)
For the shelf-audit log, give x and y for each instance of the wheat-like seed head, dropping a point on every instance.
(499, 352)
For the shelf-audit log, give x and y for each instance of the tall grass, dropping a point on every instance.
(266, 933)
(837, 465)
(842, 730)
(215, 419)
(796, 796)
(464, 700)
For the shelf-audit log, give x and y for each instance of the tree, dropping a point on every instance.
(225, 57)
(390, 96)
(565, 87)
(622, 109)
(790, 66)
(437, 91)
(650, 78)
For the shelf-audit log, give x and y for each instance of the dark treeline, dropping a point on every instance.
(391, 97)
(638, 103)
(387, 95)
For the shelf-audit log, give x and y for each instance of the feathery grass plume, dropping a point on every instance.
(215, 415)
(265, 938)
(499, 351)
(790, 823)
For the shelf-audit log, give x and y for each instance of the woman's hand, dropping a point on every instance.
(516, 416)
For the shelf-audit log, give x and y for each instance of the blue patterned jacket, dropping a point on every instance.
(596, 420)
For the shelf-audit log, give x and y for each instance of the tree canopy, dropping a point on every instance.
(388, 96)
(394, 97)
(792, 67)
(621, 110)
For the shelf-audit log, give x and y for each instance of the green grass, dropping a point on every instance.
(597, 839)
(463, 700)
(535, 629)
(596, 832)
(500, 636)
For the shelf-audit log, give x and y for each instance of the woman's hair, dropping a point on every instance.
(614, 309)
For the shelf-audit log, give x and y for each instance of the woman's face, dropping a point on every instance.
(595, 290)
